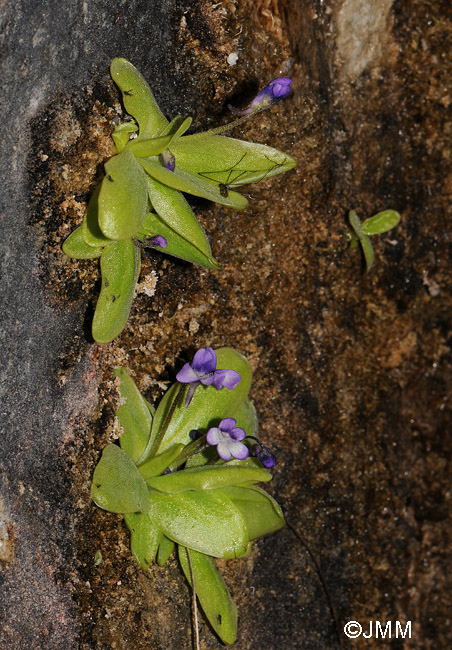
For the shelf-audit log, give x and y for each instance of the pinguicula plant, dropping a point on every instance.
(186, 474)
(360, 232)
(140, 200)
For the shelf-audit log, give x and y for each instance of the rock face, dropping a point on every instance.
(352, 371)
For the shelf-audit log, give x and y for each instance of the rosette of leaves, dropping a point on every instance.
(360, 233)
(141, 195)
(170, 496)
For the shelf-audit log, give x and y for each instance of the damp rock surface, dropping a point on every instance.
(352, 371)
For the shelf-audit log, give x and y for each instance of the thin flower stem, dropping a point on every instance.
(196, 451)
(195, 605)
(193, 447)
(231, 125)
(142, 244)
(170, 414)
(180, 460)
(322, 580)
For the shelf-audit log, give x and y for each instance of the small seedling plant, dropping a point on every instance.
(187, 474)
(360, 233)
(140, 201)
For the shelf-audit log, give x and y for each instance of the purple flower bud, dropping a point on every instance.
(278, 88)
(203, 370)
(274, 92)
(195, 434)
(168, 160)
(263, 454)
(226, 437)
(159, 240)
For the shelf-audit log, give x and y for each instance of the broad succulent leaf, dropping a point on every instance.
(246, 417)
(175, 212)
(145, 538)
(120, 266)
(76, 247)
(206, 520)
(134, 417)
(121, 134)
(227, 161)
(123, 197)
(91, 231)
(156, 465)
(184, 181)
(137, 98)
(208, 478)
(260, 511)
(380, 222)
(149, 147)
(117, 484)
(177, 245)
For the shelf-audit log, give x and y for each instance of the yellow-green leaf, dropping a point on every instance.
(123, 197)
(145, 538)
(177, 246)
(165, 549)
(208, 478)
(191, 184)
(260, 511)
(149, 147)
(76, 247)
(91, 231)
(380, 222)
(117, 485)
(176, 213)
(138, 98)
(228, 162)
(155, 466)
(204, 520)
(133, 415)
(120, 266)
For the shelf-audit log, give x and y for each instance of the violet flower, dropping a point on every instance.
(226, 437)
(203, 370)
(274, 92)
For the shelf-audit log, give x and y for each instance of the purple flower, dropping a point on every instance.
(274, 92)
(168, 160)
(263, 454)
(226, 437)
(159, 240)
(203, 370)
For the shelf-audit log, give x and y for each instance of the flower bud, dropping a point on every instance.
(274, 92)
